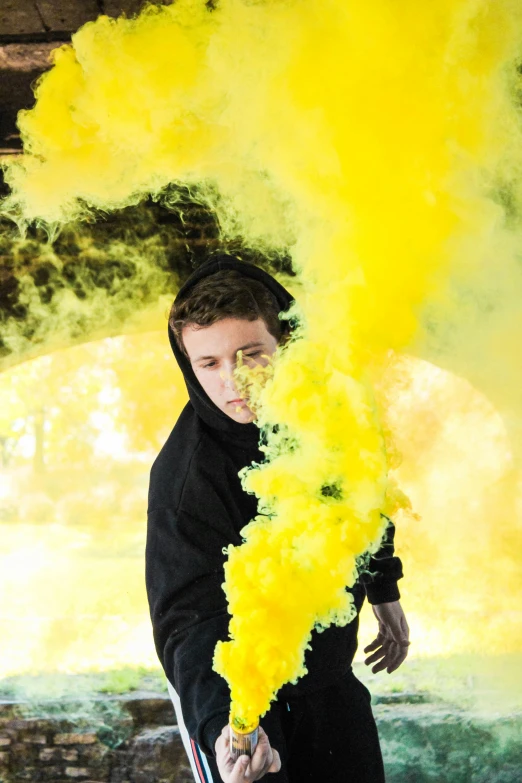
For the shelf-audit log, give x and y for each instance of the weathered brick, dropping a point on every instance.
(5, 741)
(93, 753)
(74, 739)
(34, 739)
(24, 724)
(69, 754)
(21, 750)
(77, 772)
(57, 754)
(29, 773)
(49, 754)
(52, 774)
(24, 753)
(48, 724)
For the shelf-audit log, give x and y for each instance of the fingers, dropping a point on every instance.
(230, 771)
(401, 635)
(245, 770)
(239, 772)
(379, 639)
(381, 653)
(380, 646)
(399, 658)
(265, 759)
(275, 766)
(262, 758)
(384, 655)
(389, 657)
(376, 655)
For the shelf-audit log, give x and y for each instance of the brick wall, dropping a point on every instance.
(142, 744)
(137, 741)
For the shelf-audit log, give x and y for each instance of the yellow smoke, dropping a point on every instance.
(381, 141)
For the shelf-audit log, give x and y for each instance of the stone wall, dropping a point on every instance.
(138, 743)
(134, 739)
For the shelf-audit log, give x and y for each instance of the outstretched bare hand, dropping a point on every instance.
(392, 642)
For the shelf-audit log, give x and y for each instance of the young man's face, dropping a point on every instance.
(213, 350)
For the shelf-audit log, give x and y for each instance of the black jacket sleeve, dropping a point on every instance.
(183, 574)
(383, 571)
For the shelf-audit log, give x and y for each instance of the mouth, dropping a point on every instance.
(236, 402)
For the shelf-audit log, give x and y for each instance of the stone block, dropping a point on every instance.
(51, 774)
(5, 741)
(129, 7)
(20, 16)
(67, 16)
(49, 754)
(28, 773)
(68, 754)
(25, 724)
(20, 750)
(77, 772)
(94, 754)
(34, 739)
(75, 739)
(149, 710)
(4, 758)
(58, 754)
(24, 753)
(158, 755)
(120, 767)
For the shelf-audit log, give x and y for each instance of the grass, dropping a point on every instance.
(466, 681)
(55, 685)
(476, 682)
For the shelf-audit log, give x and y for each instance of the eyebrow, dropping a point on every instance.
(243, 348)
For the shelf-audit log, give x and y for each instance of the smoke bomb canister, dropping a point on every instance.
(243, 743)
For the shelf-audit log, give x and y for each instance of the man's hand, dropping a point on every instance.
(265, 759)
(392, 641)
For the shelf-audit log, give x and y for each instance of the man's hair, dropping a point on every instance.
(226, 294)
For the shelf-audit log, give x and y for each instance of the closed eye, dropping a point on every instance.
(249, 355)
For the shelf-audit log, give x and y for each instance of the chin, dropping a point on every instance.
(244, 416)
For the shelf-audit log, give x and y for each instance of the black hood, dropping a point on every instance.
(201, 402)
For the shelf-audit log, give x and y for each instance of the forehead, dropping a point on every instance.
(224, 337)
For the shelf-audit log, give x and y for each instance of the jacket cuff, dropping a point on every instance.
(382, 593)
(211, 732)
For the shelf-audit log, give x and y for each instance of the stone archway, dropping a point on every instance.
(116, 275)
(96, 280)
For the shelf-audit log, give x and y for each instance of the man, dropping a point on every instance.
(321, 729)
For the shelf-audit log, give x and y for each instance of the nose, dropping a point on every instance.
(228, 377)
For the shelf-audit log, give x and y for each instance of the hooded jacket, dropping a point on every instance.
(196, 508)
